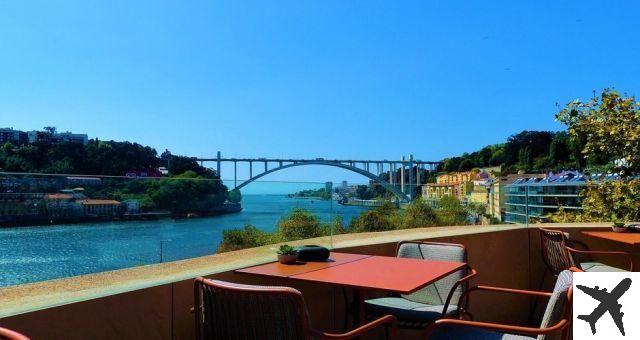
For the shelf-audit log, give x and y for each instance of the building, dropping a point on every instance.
(135, 173)
(62, 137)
(18, 208)
(73, 137)
(15, 137)
(496, 197)
(533, 198)
(480, 192)
(62, 206)
(456, 184)
(100, 208)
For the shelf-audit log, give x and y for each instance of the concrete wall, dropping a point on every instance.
(509, 258)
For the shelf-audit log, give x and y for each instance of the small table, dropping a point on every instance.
(363, 272)
(626, 238)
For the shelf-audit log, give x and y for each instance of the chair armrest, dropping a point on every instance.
(465, 296)
(11, 335)
(508, 291)
(603, 252)
(497, 327)
(471, 274)
(385, 320)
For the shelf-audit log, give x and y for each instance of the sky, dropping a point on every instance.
(307, 79)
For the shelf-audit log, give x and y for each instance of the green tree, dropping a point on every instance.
(186, 193)
(363, 192)
(609, 126)
(451, 212)
(451, 164)
(419, 214)
(466, 165)
(612, 201)
(337, 224)
(369, 221)
(50, 130)
(300, 224)
(234, 196)
(247, 237)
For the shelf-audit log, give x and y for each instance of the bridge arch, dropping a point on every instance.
(402, 196)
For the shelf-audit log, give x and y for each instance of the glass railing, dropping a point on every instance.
(56, 226)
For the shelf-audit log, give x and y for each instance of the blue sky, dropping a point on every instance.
(335, 79)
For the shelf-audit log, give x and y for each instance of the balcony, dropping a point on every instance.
(153, 301)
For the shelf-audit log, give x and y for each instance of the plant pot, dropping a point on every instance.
(620, 229)
(287, 258)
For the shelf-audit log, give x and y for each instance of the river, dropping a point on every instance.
(30, 254)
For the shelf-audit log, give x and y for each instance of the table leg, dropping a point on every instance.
(358, 308)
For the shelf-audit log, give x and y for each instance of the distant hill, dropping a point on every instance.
(530, 151)
(107, 158)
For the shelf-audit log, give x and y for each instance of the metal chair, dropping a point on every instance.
(432, 302)
(7, 334)
(226, 310)
(554, 326)
(559, 253)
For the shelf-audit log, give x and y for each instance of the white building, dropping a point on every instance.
(39, 136)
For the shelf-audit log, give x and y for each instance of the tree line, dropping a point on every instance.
(529, 151)
(105, 158)
(189, 187)
(301, 224)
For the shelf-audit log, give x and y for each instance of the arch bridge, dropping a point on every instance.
(398, 171)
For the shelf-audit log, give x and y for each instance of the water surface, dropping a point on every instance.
(29, 254)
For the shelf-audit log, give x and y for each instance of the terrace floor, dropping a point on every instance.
(153, 302)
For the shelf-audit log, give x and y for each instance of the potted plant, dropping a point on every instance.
(618, 226)
(287, 254)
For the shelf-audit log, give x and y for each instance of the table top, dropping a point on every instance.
(628, 238)
(393, 274)
(283, 270)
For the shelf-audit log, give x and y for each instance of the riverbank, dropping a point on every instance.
(363, 203)
(36, 253)
(318, 198)
(39, 220)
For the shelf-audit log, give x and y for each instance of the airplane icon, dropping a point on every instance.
(608, 303)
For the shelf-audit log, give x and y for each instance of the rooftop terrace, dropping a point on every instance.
(153, 301)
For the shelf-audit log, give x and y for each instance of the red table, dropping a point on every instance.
(363, 272)
(627, 238)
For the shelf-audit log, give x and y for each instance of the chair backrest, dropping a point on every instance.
(226, 310)
(436, 293)
(559, 305)
(554, 254)
(7, 334)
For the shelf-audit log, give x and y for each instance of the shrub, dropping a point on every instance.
(371, 220)
(338, 225)
(300, 224)
(606, 201)
(451, 212)
(234, 196)
(419, 214)
(247, 237)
